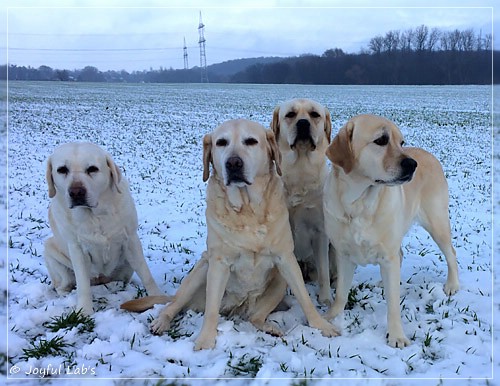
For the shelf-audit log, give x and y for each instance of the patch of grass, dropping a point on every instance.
(140, 291)
(245, 366)
(176, 331)
(427, 339)
(45, 348)
(163, 382)
(353, 298)
(302, 382)
(410, 367)
(3, 363)
(73, 319)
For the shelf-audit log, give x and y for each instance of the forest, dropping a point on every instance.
(416, 56)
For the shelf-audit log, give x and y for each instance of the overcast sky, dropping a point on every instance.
(138, 35)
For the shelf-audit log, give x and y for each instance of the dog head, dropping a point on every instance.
(301, 124)
(239, 151)
(370, 146)
(81, 172)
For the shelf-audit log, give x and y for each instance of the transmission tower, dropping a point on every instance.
(186, 66)
(203, 57)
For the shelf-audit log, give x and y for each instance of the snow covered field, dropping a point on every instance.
(154, 133)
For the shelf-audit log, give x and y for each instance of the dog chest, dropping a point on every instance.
(250, 271)
(250, 275)
(303, 183)
(357, 238)
(358, 244)
(102, 239)
(105, 256)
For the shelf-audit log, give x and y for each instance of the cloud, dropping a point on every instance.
(134, 37)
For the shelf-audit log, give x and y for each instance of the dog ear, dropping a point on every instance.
(275, 124)
(116, 174)
(50, 179)
(274, 151)
(340, 150)
(207, 156)
(328, 125)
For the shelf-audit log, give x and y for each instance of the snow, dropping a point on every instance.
(154, 133)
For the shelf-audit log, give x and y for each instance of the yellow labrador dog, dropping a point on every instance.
(302, 128)
(374, 192)
(94, 222)
(249, 258)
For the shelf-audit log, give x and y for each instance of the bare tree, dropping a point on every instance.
(433, 39)
(376, 44)
(406, 40)
(391, 41)
(420, 37)
(467, 40)
(450, 41)
(488, 42)
(455, 37)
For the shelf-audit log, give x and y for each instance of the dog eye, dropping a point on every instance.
(314, 114)
(291, 114)
(92, 169)
(402, 143)
(62, 170)
(221, 142)
(382, 141)
(250, 141)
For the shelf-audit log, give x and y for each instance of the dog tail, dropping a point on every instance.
(145, 303)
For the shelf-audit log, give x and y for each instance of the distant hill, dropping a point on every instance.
(231, 67)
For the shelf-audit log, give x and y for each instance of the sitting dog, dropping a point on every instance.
(374, 192)
(249, 258)
(302, 128)
(94, 222)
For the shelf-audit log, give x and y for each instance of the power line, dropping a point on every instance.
(89, 34)
(93, 49)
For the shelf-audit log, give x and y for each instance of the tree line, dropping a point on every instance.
(414, 56)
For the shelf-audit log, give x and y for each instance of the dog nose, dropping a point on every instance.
(408, 165)
(303, 124)
(77, 192)
(234, 164)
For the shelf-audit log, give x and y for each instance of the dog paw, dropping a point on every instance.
(325, 299)
(397, 340)
(268, 328)
(334, 310)
(86, 308)
(451, 288)
(327, 329)
(159, 325)
(204, 343)
(64, 288)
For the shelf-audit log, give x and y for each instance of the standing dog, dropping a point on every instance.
(374, 192)
(302, 128)
(94, 221)
(249, 258)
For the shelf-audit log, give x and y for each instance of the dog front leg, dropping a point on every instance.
(390, 272)
(217, 277)
(320, 247)
(190, 288)
(290, 270)
(345, 274)
(268, 302)
(135, 257)
(81, 267)
(59, 267)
